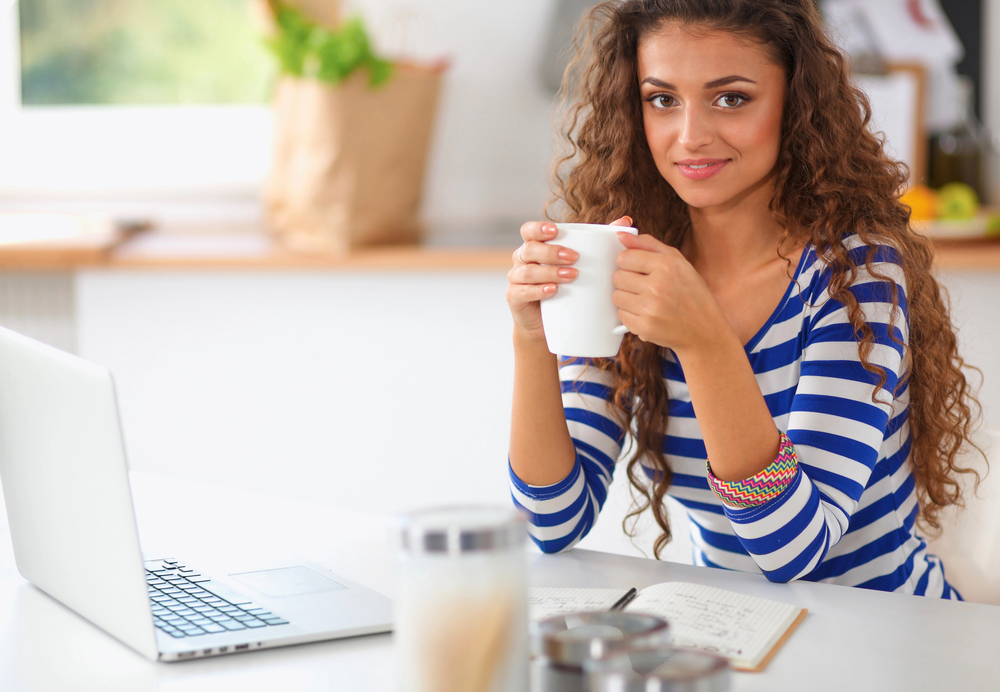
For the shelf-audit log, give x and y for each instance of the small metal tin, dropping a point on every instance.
(657, 669)
(564, 642)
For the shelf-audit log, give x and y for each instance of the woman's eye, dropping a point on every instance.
(661, 101)
(731, 100)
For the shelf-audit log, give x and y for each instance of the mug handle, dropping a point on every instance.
(620, 329)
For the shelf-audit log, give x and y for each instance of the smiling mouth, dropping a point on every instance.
(701, 170)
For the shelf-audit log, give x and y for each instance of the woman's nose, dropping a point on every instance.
(695, 130)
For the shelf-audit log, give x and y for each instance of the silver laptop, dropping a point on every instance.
(73, 528)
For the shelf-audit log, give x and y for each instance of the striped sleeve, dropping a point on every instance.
(560, 515)
(837, 424)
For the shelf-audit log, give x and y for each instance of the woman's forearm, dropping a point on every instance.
(541, 450)
(740, 435)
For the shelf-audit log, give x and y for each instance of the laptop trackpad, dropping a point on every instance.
(287, 581)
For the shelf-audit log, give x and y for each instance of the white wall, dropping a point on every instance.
(976, 314)
(373, 391)
(491, 156)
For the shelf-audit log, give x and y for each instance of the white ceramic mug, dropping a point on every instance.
(580, 319)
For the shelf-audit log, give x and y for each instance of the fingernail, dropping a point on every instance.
(567, 255)
(567, 273)
(549, 289)
(549, 230)
(628, 219)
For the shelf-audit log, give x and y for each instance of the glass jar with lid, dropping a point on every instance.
(461, 600)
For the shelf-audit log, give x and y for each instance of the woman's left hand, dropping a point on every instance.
(661, 298)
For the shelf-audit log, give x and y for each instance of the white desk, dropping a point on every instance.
(852, 640)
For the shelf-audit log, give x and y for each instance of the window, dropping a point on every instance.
(126, 97)
(85, 52)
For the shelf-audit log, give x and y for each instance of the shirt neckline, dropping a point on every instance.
(769, 322)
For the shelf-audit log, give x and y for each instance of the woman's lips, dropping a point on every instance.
(700, 169)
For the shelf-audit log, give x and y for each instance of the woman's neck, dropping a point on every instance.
(737, 238)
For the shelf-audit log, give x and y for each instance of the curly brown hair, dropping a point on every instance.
(832, 179)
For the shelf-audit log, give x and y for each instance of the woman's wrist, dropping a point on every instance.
(529, 340)
(541, 450)
(762, 487)
(714, 341)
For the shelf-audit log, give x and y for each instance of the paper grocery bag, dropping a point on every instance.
(349, 159)
(324, 12)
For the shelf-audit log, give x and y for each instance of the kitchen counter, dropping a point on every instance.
(152, 250)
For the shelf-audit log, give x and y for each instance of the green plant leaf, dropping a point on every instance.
(306, 49)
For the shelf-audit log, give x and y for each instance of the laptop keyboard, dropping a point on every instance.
(188, 604)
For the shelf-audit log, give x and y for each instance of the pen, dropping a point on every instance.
(625, 600)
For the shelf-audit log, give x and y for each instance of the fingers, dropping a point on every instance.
(520, 294)
(645, 254)
(629, 281)
(535, 249)
(638, 261)
(629, 307)
(538, 266)
(546, 230)
(535, 252)
(643, 241)
(538, 230)
(540, 274)
(630, 303)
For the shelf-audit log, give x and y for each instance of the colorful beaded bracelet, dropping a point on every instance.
(762, 486)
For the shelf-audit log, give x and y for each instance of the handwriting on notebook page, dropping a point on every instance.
(548, 602)
(723, 622)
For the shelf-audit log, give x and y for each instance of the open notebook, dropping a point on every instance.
(744, 629)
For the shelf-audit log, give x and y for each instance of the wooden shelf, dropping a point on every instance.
(66, 240)
(245, 251)
(968, 254)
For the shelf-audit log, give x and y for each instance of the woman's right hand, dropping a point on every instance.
(538, 269)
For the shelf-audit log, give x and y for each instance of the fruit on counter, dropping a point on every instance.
(957, 201)
(922, 201)
(993, 225)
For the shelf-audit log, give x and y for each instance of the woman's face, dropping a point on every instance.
(712, 104)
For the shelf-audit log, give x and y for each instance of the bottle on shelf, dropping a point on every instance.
(958, 155)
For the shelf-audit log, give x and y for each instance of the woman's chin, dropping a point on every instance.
(702, 199)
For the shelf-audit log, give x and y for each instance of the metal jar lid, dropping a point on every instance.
(657, 669)
(453, 531)
(571, 639)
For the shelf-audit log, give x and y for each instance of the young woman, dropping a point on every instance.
(791, 376)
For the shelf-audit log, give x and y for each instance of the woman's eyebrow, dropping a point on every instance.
(714, 84)
(727, 80)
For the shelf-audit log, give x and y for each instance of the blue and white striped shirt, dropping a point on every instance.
(848, 515)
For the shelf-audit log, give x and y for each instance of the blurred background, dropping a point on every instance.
(376, 388)
(168, 100)
(132, 101)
